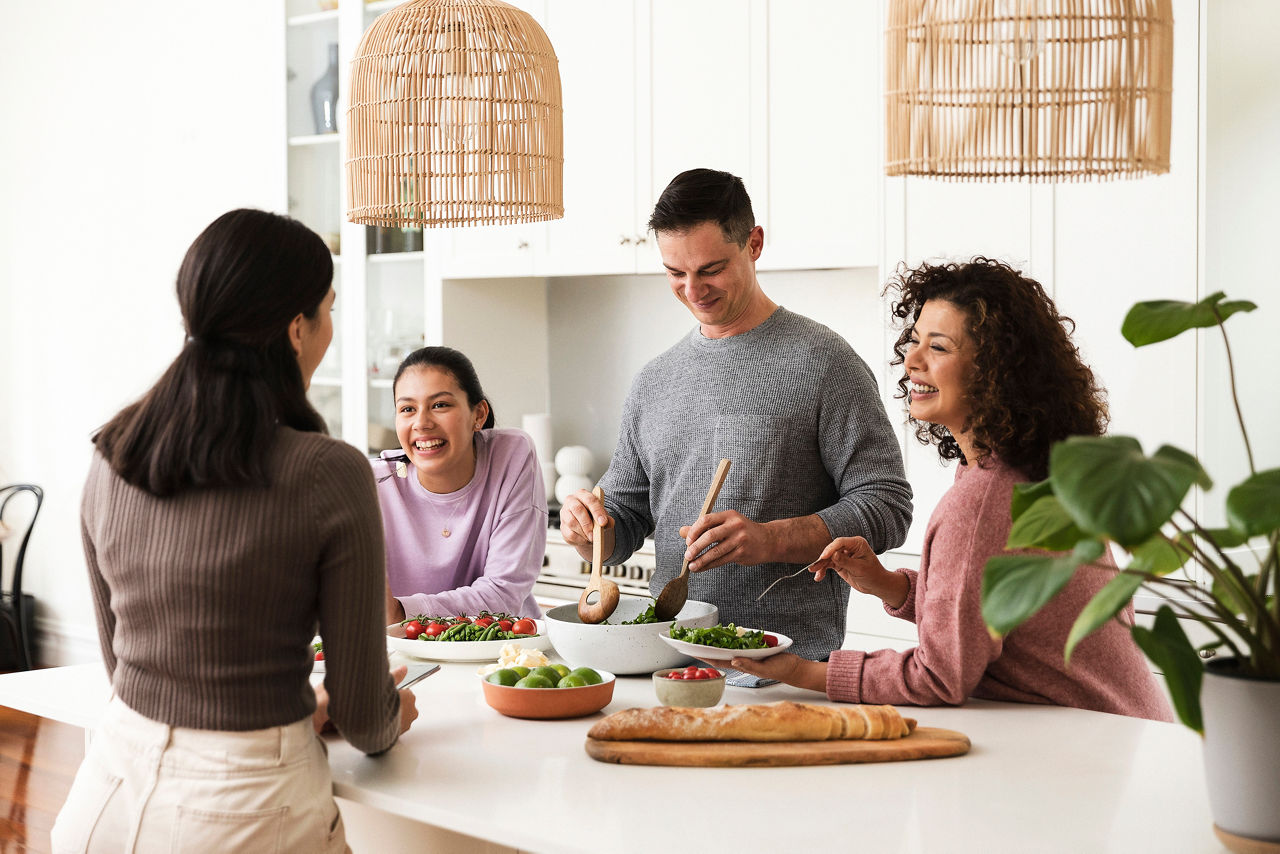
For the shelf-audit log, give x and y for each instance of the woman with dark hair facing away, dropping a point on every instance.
(993, 379)
(221, 527)
(464, 508)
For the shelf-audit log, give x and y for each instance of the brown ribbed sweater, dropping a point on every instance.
(207, 601)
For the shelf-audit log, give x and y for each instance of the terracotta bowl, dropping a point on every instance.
(550, 703)
(695, 693)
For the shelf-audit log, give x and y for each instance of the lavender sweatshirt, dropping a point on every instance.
(497, 532)
(957, 658)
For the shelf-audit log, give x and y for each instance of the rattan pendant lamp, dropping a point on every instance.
(1039, 90)
(454, 118)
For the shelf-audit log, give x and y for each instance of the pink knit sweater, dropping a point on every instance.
(957, 658)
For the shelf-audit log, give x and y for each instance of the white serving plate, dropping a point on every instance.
(719, 653)
(461, 650)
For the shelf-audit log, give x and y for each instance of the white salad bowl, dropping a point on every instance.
(623, 649)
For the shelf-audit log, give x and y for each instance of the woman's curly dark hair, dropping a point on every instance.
(1030, 387)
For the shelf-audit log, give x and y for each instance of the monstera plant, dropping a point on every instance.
(1105, 491)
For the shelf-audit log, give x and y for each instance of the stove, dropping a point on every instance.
(565, 574)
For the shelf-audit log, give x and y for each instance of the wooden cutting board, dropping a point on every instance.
(924, 743)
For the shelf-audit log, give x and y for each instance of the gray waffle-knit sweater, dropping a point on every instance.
(799, 415)
(207, 600)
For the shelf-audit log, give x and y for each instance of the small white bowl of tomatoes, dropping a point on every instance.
(692, 686)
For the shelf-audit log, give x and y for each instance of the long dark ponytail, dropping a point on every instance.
(212, 417)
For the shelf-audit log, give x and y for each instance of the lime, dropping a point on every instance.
(503, 677)
(571, 681)
(560, 668)
(521, 669)
(552, 675)
(533, 680)
(587, 675)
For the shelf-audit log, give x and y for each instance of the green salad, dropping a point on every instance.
(645, 616)
(721, 637)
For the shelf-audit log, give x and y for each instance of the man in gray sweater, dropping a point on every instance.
(784, 398)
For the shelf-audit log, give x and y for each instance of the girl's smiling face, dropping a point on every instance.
(940, 365)
(436, 425)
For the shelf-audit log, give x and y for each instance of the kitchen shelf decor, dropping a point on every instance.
(454, 118)
(1039, 90)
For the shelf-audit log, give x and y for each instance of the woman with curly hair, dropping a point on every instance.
(992, 378)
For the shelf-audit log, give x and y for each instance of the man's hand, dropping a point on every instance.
(726, 537)
(578, 516)
(853, 560)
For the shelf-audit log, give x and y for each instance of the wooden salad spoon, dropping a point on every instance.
(607, 600)
(676, 591)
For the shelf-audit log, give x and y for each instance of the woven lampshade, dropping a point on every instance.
(1043, 90)
(454, 118)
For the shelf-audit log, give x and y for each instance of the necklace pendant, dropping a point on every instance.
(445, 533)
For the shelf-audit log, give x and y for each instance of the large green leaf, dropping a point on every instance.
(1046, 525)
(1253, 507)
(1112, 490)
(1027, 494)
(1105, 604)
(1159, 556)
(1016, 586)
(1159, 320)
(1231, 597)
(1226, 538)
(1166, 644)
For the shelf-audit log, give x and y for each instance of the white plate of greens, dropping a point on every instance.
(718, 642)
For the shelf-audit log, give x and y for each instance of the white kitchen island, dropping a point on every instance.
(1038, 779)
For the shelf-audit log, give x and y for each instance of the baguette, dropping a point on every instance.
(782, 721)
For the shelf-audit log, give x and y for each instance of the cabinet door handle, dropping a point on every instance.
(523, 244)
(623, 240)
(641, 240)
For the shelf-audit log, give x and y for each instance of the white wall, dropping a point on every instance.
(128, 126)
(1240, 228)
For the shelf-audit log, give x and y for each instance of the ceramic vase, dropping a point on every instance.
(1242, 752)
(324, 96)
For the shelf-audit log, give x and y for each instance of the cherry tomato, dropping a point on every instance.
(457, 620)
(676, 674)
(505, 625)
(433, 629)
(524, 627)
(320, 655)
(691, 670)
(708, 673)
(412, 629)
(770, 640)
(485, 622)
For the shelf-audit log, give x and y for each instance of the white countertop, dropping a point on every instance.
(1038, 778)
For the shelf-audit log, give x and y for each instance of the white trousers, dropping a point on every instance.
(148, 787)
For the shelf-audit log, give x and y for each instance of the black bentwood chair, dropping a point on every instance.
(17, 609)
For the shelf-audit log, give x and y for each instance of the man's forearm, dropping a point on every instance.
(798, 540)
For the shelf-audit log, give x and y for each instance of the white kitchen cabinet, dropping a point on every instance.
(820, 202)
(602, 79)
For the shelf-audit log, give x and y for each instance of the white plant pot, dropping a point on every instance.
(1242, 751)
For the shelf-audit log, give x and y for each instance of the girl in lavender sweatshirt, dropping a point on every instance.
(993, 379)
(464, 509)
